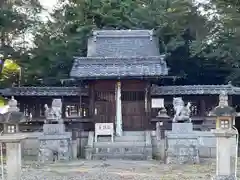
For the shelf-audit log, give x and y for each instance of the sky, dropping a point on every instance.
(48, 4)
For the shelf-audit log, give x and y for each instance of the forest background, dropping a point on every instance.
(201, 39)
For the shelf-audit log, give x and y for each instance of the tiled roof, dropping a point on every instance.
(119, 43)
(111, 67)
(156, 90)
(194, 89)
(43, 91)
(12, 118)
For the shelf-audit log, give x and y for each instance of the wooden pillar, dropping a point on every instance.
(80, 100)
(147, 106)
(202, 107)
(63, 107)
(91, 103)
(21, 104)
(37, 108)
(230, 100)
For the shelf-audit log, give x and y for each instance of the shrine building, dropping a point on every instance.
(118, 69)
(116, 83)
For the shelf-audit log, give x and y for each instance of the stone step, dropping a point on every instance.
(130, 139)
(138, 156)
(119, 144)
(125, 138)
(134, 133)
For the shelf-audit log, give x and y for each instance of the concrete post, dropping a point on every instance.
(13, 158)
(224, 170)
(158, 131)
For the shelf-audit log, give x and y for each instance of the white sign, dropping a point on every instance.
(104, 129)
(157, 103)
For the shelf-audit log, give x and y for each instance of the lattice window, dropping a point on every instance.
(74, 110)
(133, 95)
(26, 110)
(169, 108)
(224, 124)
(11, 129)
(194, 109)
(105, 96)
(42, 110)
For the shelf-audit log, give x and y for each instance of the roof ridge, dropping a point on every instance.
(119, 57)
(123, 33)
(119, 60)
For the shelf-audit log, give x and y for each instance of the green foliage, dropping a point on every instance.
(222, 43)
(16, 19)
(202, 50)
(65, 35)
(10, 72)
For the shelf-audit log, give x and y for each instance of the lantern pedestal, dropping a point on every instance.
(224, 165)
(13, 155)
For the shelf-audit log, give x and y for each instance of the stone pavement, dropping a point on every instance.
(118, 170)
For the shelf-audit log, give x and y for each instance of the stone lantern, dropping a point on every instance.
(161, 118)
(12, 118)
(12, 138)
(224, 113)
(224, 132)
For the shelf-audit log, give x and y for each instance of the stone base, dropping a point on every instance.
(182, 127)
(55, 144)
(182, 145)
(53, 128)
(122, 151)
(182, 154)
(182, 160)
(52, 150)
(224, 177)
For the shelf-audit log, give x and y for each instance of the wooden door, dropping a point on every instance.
(133, 115)
(105, 110)
(133, 105)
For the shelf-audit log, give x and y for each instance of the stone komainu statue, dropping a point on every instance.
(55, 112)
(182, 112)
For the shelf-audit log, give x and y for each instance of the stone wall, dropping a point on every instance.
(207, 145)
(207, 142)
(30, 146)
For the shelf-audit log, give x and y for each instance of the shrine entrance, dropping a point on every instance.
(134, 105)
(133, 111)
(105, 110)
(134, 101)
(103, 101)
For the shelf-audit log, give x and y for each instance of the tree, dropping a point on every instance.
(17, 18)
(65, 34)
(221, 43)
(10, 73)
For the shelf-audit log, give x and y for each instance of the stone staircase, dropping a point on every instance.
(135, 145)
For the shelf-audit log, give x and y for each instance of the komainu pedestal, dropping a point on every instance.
(55, 144)
(182, 145)
(225, 177)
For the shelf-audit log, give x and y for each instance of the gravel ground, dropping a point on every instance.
(118, 170)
